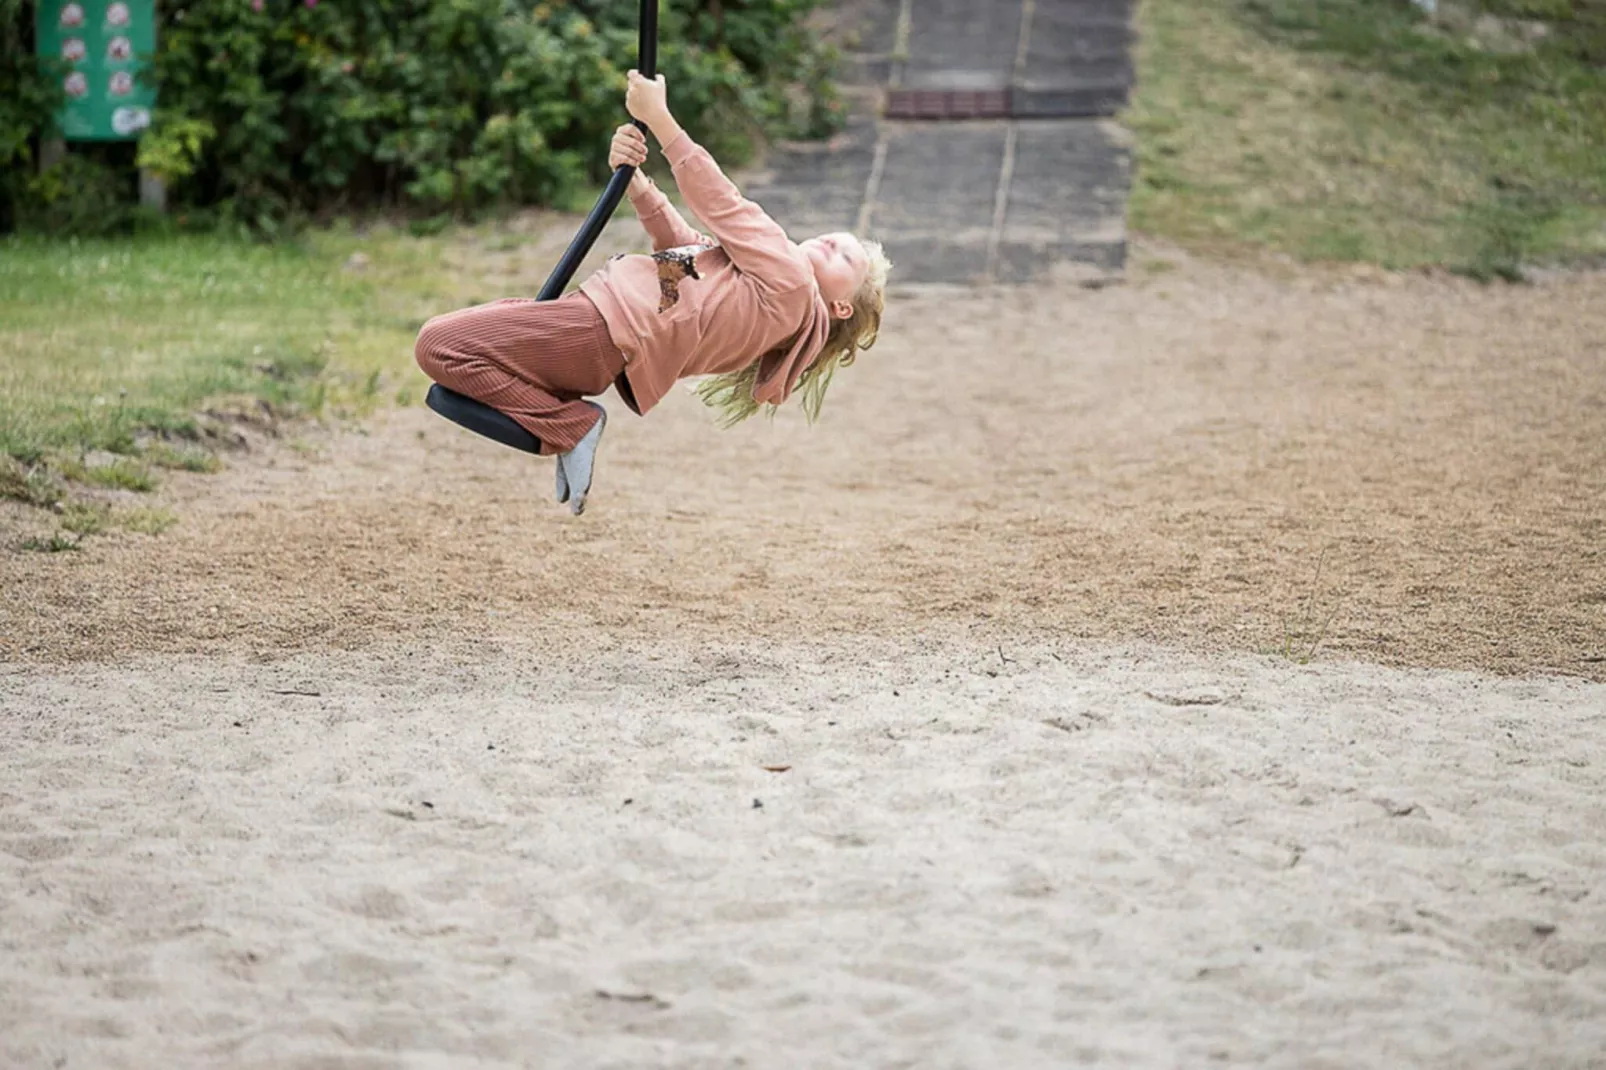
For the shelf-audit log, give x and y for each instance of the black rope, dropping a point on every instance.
(591, 229)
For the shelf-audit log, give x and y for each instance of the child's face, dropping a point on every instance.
(840, 267)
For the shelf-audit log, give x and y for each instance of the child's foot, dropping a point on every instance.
(575, 467)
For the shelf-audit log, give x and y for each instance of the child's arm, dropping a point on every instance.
(755, 243)
(662, 221)
(659, 218)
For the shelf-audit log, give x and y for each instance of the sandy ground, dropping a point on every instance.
(336, 772)
(1079, 856)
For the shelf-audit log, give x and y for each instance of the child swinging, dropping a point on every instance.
(759, 315)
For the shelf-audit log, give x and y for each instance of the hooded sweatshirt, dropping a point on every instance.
(710, 305)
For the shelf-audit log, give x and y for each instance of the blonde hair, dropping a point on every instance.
(731, 394)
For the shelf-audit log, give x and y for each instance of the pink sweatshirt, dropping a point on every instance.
(695, 307)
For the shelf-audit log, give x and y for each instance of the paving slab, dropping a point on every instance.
(1077, 59)
(1095, 97)
(962, 44)
(818, 188)
(874, 27)
(1082, 12)
(939, 179)
(1066, 200)
(867, 34)
(1069, 180)
(935, 205)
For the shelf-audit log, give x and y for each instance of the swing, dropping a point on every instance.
(480, 418)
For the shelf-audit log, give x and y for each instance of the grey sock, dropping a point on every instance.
(578, 463)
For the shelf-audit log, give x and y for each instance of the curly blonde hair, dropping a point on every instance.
(731, 394)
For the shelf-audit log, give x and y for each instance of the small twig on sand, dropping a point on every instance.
(1322, 635)
(1301, 630)
(1315, 585)
(634, 997)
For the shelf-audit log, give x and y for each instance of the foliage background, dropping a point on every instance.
(275, 111)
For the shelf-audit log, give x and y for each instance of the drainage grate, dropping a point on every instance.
(948, 104)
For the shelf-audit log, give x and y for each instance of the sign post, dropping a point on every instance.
(105, 45)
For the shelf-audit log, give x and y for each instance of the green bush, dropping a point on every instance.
(83, 195)
(28, 97)
(276, 110)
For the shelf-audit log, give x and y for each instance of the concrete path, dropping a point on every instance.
(981, 146)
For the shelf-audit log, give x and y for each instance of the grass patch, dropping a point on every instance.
(86, 518)
(124, 473)
(79, 520)
(103, 342)
(145, 521)
(55, 544)
(182, 459)
(82, 519)
(1361, 130)
(103, 339)
(32, 484)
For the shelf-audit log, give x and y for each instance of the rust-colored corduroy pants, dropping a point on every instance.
(533, 360)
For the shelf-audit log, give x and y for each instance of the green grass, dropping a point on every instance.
(31, 484)
(181, 458)
(55, 544)
(104, 339)
(86, 518)
(97, 518)
(123, 473)
(117, 345)
(145, 521)
(1358, 130)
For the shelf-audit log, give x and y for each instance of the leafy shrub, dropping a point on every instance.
(274, 110)
(28, 97)
(82, 195)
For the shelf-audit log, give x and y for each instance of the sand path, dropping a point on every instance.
(1079, 856)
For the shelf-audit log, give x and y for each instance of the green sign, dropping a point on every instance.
(105, 43)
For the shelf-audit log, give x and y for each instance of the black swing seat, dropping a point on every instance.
(481, 419)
